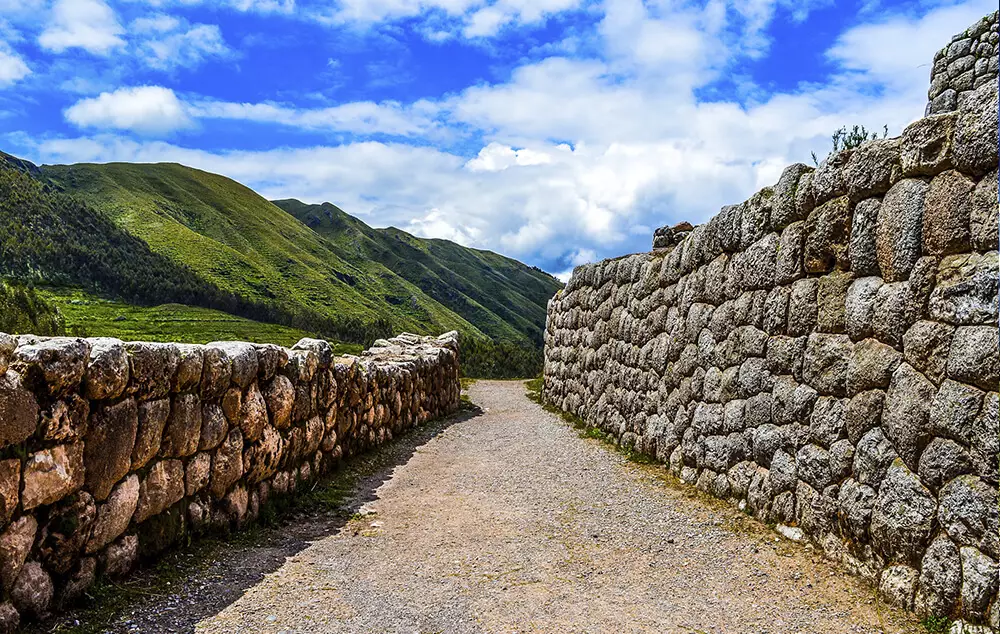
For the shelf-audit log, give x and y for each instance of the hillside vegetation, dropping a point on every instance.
(164, 234)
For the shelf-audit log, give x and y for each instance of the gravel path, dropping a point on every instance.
(509, 522)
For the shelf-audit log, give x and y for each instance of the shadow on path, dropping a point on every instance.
(182, 587)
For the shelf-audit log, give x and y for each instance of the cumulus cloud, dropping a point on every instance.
(90, 25)
(143, 109)
(168, 42)
(12, 67)
(568, 159)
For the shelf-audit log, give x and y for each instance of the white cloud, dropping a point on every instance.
(172, 43)
(574, 159)
(361, 118)
(143, 109)
(12, 67)
(87, 24)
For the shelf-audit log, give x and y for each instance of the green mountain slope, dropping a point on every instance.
(164, 234)
(244, 245)
(502, 297)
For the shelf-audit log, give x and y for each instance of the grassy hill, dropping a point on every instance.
(164, 234)
(503, 298)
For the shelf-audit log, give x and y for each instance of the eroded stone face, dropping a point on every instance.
(18, 410)
(51, 474)
(109, 445)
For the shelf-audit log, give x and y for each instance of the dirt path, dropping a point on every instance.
(509, 522)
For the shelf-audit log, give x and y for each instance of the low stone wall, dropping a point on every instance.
(111, 452)
(968, 62)
(824, 355)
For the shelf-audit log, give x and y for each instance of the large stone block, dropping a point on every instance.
(926, 145)
(895, 311)
(114, 516)
(152, 418)
(64, 532)
(189, 366)
(871, 366)
(973, 356)
(783, 208)
(974, 146)
(243, 360)
(828, 230)
(183, 430)
(802, 307)
(15, 544)
(109, 445)
(903, 516)
(53, 366)
(905, 417)
(947, 210)
(33, 591)
(940, 577)
(984, 439)
(107, 371)
(968, 512)
(162, 487)
(899, 233)
(864, 413)
(831, 298)
(153, 367)
(227, 464)
(984, 214)
(52, 474)
(826, 363)
(216, 372)
(18, 410)
(214, 427)
(942, 461)
(859, 306)
(926, 346)
(873, 168)
(966, 291)
(828, 180)
(979, 584)
(862, 251)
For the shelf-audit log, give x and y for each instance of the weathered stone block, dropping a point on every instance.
(968, 512)
(906, 413)
(859, 306)
(217, 369)
(54, 366)
(162, 487)
(227, 464)
(109, 446)
(32, 592)
(862, 251)
(197, 473)
(183, 430)
(826, 363)
(64, 532)
(15, 544)
(243, 361)
(926, 145)
(831, 299)
(973, 356)
(18, 410)
(947, 210)
(152, 418)
(114, 516)
(52, 474)
(153, 368)
(979, 584)
(926, 346)
(903, 516)
(873, 168)
(802, 307)
(975, 151)
(189, 367)
(828, 230)
(942, 461)
(864, 413)
(895, 311)
(900, 229)
(871, 366)
(828, 180)
(966, 291)
(940, 577)
(107, 371)
(253, 414)
(214, 427)
(783, 208)
(984, 213)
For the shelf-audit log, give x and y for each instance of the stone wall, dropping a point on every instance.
(824, 355)
(968, 62)
(111, 452)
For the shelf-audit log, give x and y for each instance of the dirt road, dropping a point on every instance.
(508, 521)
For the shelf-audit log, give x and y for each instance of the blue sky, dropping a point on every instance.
(553, 131)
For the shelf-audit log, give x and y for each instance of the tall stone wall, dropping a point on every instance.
(968, 62)
(111, 451)
(824, 355)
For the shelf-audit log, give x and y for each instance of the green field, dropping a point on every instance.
(86, 315)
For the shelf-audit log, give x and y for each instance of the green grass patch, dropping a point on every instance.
(90, 316)
(937, 624)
